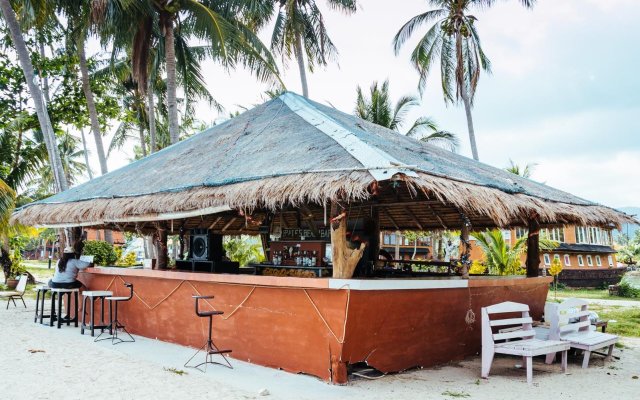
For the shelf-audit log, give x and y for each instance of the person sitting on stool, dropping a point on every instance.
(66, 274)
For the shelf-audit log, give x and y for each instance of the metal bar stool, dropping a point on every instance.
(209, 347)
(58, 293)
(41, 294)
(92, 296)
(115, 325)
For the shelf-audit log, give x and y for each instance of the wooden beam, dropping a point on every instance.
(215, 222)
(444, 226)
(393, 221)
(533, 248)
(414, 218)
(161, 247)
(228, 224)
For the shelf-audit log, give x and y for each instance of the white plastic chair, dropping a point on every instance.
(18, 293)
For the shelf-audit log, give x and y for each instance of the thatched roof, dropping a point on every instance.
(291, 151)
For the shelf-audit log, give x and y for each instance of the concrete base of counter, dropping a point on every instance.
(318, 326)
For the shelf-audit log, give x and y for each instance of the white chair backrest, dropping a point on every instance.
(22, 283)
(570, 316)
(518, 328)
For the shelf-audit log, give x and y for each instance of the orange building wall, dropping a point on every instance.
(98, 234)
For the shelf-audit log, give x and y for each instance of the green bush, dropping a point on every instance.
(128, 260)
(625, 289)
(103, 253)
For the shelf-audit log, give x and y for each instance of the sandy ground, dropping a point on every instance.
(40, 362)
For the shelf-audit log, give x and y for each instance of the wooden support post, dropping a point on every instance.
(161, 247)
(345, 258)
(373, 232)
(181, 238)
(533, 249)
(465, 257)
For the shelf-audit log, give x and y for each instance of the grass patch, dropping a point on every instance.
(176, 371)
(600, 294)
(455, 394)
(627, 319)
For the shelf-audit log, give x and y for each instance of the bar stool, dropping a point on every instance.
(209, 347)
(92, 296)
(58, 293)
(114, 324)
(41, 293)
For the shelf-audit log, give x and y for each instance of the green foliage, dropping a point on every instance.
(629, 252)
(103, 253)
(377, 108)
(500, 257)
(627, 319)
(244, 250)
(626, 289)
(128, 260)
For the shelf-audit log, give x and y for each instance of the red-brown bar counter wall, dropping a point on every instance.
(318, 326)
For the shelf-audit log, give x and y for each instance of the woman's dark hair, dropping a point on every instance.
(62, 262)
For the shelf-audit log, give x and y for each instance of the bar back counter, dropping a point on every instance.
(319, 326)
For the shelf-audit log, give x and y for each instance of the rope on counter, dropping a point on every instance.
(346, 314)
(240, 305)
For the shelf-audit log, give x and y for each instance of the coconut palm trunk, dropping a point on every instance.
(36, 94)
(141, 134)
(170, 60)
(462, 88)
(301, 66)
(86, 153)
(152, 117)
(91, 106)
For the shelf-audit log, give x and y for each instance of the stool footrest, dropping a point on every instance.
(219, 351)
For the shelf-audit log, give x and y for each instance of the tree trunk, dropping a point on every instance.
(161, 248)
(86, 153)
(397, 249)
(45, 79)
(141, 134)
(345, 259)
(152, 116)
(170, 60)
(36, 94)
(303, 71)
(472, 135)
(415, 248)
(465, 258)
(533, 249)
(462, 90)
(91, 106)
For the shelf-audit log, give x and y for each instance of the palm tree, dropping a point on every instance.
(454, 40)
(516, 169)
(36, 94)
(176, 22)
(78, 17)
(300, 31)
(72, 161)
(377, 108)
(500, 257)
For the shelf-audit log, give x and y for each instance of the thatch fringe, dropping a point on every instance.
(502, 208)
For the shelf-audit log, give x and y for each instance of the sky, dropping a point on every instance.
(563, 94)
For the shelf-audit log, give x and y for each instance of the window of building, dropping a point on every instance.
(580, 260)
(547, 259)
(589, 261)
(581, 234)
(556, 257)
(594, 235)
(556, 234)
(610, 259)
(521, 232)
(598, 261)
(567, 260)
(392, 239)
(506, 235)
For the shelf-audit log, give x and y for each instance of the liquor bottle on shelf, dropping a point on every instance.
(314, 259)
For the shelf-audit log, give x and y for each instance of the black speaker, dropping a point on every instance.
(205, 246)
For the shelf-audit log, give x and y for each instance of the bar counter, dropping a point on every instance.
(319, 326)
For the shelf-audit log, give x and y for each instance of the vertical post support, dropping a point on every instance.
(533, 248)
(344, 257)
(181, 239)
(374, 235)
(465, 257)
(161, 247)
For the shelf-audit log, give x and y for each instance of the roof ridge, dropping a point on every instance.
(379, 163)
